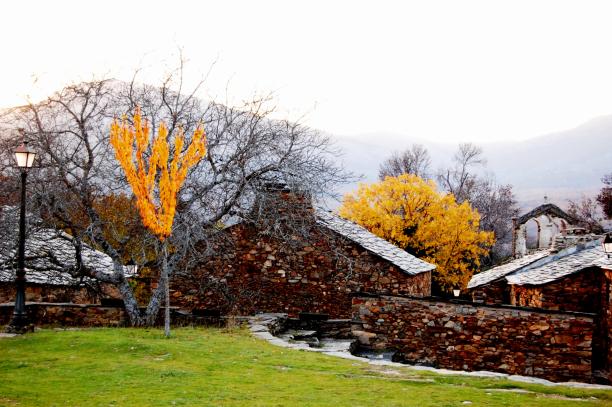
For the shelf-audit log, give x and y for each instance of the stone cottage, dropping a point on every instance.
(568, 280)
(47, 252)
(316, 269)
(566, 270)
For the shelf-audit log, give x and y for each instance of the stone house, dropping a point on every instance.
(47, 252)
(566, 271)
(568, 280)
(256, 270)
(571, 279)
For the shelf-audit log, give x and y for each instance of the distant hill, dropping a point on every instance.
(562, 165)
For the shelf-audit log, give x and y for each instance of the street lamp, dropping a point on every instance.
(24, 157)
(607, 244)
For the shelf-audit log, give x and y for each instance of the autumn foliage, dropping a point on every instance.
(155, 185)
(409, 212)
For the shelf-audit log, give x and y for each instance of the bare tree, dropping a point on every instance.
(77, 168)
(460, 179)
(495, 203)
(605, 195)
(414, 160)
(587, 212)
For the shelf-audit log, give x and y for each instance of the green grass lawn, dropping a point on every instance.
(138, 367)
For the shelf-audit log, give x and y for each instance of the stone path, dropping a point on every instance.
(263, 325)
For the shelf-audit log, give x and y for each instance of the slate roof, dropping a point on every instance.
(41, 244)
(498, 272)
(544, 267)
(586, 258)
(369, 241)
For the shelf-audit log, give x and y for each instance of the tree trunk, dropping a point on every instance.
(131, 305)
(155, 303)
(166, 290)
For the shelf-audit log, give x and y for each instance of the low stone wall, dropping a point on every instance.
(67, 314)
(94, 315)
(59, 293)
(464, 336)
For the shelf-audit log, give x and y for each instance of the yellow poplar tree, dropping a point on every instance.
(410, 213)
(156, 183)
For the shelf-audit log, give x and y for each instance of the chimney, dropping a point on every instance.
(277, 201)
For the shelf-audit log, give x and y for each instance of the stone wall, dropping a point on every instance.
(495, 293)
(454, 335)
(253, 272)
(580, 292)
(59, 293)
(68, 314)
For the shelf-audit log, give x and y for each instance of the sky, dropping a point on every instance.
(443, 71)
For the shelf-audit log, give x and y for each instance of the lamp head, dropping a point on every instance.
(24, 156)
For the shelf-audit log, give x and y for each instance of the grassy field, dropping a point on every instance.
(138, 367)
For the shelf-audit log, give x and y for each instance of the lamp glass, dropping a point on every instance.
(30, 160)
(24, 156)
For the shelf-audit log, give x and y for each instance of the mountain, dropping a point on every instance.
(563, 165)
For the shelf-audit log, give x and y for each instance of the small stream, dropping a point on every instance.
(312, 340)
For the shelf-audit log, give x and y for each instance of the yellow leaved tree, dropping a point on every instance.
(156, 183)
(412, 214)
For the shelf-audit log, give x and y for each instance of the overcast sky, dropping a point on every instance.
(439, 70)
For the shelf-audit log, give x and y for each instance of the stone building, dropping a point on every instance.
(562, 271)
(567, 280)
(255, 269)
(47, 252)
(570, 278)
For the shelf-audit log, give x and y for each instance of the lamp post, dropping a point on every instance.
(24, 158)
(607, 244)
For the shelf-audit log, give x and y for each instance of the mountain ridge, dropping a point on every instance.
(561, 165)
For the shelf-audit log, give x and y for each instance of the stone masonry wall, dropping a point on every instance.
(58, 293)
(68, 314)
(554, 346)
(256, 273)
(492, 293)
(580, 292)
